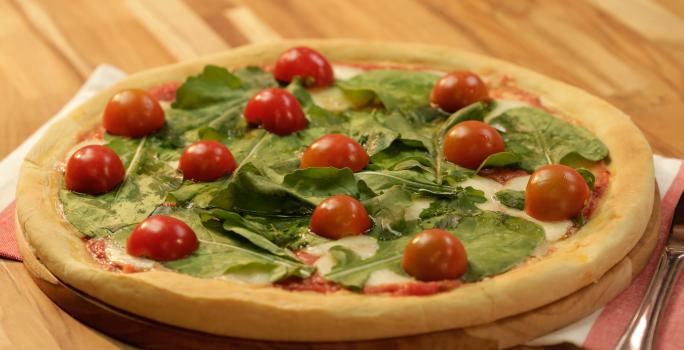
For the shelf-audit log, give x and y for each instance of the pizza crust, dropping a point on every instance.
(247, 311)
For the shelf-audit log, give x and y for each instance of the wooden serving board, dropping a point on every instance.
(503, 333)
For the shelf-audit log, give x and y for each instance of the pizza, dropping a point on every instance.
(336, 191)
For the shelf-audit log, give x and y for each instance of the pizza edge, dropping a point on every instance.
(234, 309)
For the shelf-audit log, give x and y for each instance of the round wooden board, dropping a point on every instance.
(503, 333)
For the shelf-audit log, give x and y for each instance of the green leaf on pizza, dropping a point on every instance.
(540, 138)
(222, 252)
(145, 186)
(511, 198)
(393, 88)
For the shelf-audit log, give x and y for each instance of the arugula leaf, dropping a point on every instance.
(351, 271)
(249, 192)
(496, 242)
(216, 84)
(588, 176)
(219, 253)
(147, 181)
(414, 181)
(369, 132)
(540, 138)
(461, 204)
(396, 89)
(317, 184)
(511, 198)
(498, 160)
(388, 211)
(398, 156)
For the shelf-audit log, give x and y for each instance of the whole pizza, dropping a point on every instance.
(336, 191)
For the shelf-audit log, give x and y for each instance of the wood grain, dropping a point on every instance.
(629, 52)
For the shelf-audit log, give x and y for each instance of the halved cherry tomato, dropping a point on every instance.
(435, 255)
(206, 161)
(309, 64)
(457, 90)
(94, 169)
(335, 150)
(470, 142)
(555, 192)
(277, 109)
(132, 113)
(339, 216)
(162, 238)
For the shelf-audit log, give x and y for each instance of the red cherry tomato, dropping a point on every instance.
(93, 169)
(340, 216)
(555, 192)
(335, 150)
(470, 142)
(457, 90)
(304, 62)
(435, 255)
(206, 161)
(277, 109)
(162, 238)
(132, 113)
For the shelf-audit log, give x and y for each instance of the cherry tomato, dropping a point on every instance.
(555, 192)
(304, 62)
(277, 109)
(435, 255)
(132, 113)
(335, 150)
(457, 90)
(470, 142)
(206, 161)
(93, 169)
(339, 216)
(162, 238)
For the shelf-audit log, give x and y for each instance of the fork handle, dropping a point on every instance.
(642, 329)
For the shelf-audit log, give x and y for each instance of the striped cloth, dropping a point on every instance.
(600, 330)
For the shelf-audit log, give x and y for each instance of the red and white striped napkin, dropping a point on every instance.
(599, 331)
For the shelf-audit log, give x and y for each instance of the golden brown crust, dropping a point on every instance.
(234, 309)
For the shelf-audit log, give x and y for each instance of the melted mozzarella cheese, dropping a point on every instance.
(386, 276)
(117, 255)
(553, 230)
(413, 212)
(251, 276)
(344, 72)
(363, 246)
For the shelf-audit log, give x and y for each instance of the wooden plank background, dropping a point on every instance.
(629, 52)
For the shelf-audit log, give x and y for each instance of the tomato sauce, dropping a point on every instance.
(97, 248)
(502, 175)
(166, 91)
(315, 283)
(95, 134)
(416, 288)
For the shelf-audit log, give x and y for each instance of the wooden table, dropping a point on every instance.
(630, 53)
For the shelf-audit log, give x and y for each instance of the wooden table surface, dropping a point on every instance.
(629, 52)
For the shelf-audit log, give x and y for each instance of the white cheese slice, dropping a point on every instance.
(344, 72)
(386, 276)
(553, 230)
(250, 276)
(117, 255)
(363, 246)
(413, 212)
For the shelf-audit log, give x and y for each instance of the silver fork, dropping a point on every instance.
(641, 331)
